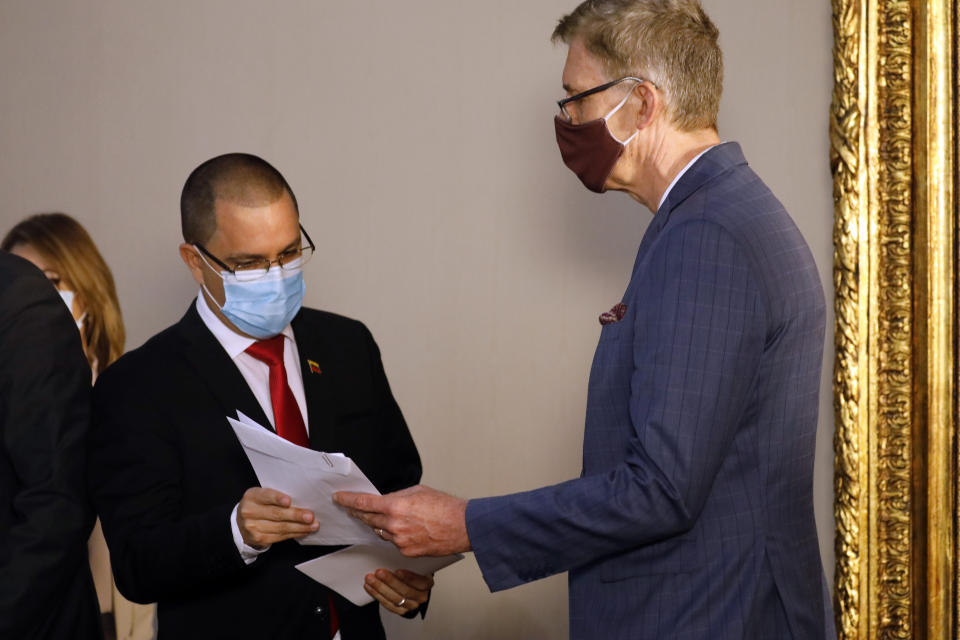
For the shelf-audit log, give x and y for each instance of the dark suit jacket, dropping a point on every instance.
(693, 517)
(166, 470)
(45, 518)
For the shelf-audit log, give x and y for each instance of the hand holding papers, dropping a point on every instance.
(420, 521)
(311, 478)
(339, 570)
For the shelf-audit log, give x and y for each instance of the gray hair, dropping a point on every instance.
(673, 43)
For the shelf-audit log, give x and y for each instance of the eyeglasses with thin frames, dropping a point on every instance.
(589, 92)
(250, 270)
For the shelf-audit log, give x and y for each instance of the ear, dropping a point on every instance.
(650, 104)
(193, 261)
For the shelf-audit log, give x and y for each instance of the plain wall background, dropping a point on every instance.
(418, 137)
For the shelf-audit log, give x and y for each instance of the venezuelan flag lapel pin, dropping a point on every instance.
(314, 366)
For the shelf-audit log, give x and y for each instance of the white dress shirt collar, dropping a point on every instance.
(677, 177)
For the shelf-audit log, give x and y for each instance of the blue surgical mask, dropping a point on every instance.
(263, 307)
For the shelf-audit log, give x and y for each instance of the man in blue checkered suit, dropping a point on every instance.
(693, 516)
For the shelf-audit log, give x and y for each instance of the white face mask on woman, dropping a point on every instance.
(68, 297)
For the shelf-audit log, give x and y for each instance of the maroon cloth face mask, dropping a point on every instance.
(589, 150)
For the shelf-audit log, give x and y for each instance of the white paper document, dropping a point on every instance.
(310, 478)
(344, 570)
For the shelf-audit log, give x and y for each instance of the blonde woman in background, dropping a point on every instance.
(60, 247)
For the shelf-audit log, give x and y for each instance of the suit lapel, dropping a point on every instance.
(215, 368)
(316, 385)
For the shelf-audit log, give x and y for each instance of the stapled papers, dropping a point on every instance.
(310, 478)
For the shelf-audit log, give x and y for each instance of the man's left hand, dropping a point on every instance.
(420, 521)
(401, 591)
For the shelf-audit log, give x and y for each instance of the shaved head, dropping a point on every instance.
(238, 178)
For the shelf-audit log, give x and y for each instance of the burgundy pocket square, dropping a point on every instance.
(615, 314)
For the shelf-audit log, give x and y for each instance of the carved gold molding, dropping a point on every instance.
(893, 160)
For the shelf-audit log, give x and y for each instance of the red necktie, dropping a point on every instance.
(286, 412)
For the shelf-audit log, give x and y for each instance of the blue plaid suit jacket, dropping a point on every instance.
(693, 517)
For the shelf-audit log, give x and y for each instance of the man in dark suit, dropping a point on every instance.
(46, 590)
(693, 516)
(185, 521)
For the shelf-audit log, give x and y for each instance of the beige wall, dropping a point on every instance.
(419, 139)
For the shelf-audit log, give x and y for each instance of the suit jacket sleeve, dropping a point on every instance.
(699, 332)
(44, 415)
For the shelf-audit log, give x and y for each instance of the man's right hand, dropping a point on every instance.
(264, 516)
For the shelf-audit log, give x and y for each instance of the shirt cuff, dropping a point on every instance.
(248, 553)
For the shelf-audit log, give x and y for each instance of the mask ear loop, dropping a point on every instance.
(607, 117)
(203, 285)
(204, 258)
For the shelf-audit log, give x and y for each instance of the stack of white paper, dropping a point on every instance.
(339, 570)
(311, 478)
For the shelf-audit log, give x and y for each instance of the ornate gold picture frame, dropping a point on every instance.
(893, 156)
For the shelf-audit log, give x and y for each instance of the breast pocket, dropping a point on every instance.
(620, 330)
